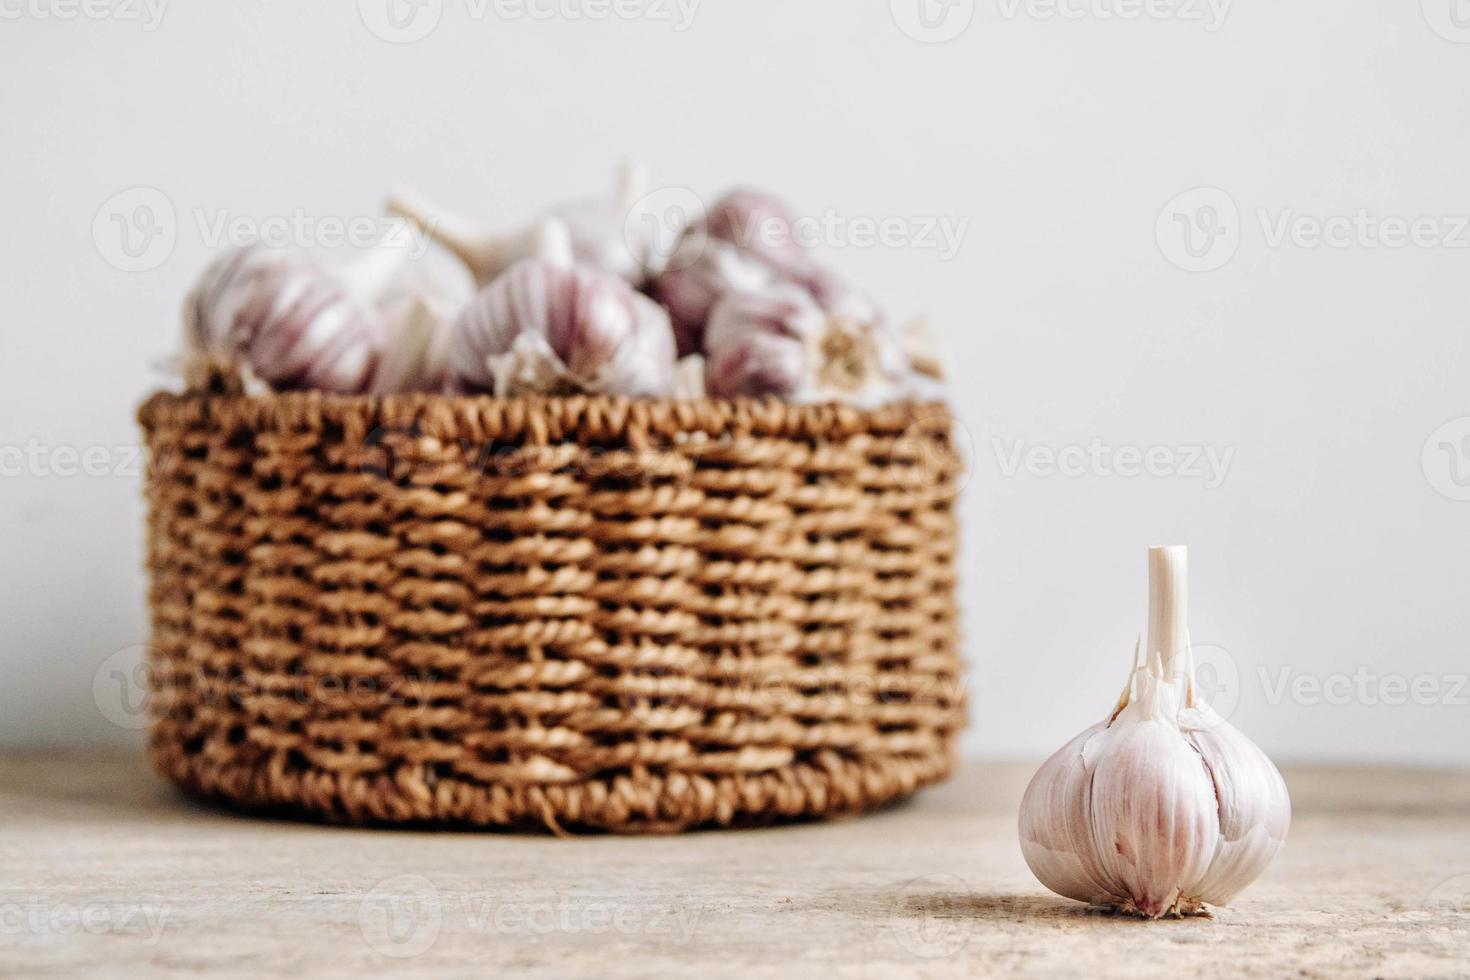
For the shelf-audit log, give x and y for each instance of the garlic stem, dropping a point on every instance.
(486, 256)
(1168, 606)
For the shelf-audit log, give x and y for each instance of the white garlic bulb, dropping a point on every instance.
(599, 233)
(1163, 808)
(290, 321)
(545, 328)
(782, 343)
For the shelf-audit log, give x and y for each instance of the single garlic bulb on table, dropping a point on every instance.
(603, 233)
(782, 343)
(1163, 808)
(545, 327)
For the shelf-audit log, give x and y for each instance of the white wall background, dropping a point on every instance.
(1332, 549)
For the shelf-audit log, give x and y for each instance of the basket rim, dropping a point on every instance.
(537, 418)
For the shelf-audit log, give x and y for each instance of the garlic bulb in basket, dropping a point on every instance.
(782, 343)
(691, 291)
(544, 328)
(1162, 808)
(600, 233)
(292, 322)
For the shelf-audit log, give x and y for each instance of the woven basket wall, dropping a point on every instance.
(566, 612)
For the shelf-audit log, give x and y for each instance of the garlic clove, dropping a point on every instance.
(1254, 806)
(1151, 805)
(1056, 837)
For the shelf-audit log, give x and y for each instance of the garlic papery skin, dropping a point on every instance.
(290, 321)
(602, 234)
(781, 343)
(544, 328)
(1163, 808)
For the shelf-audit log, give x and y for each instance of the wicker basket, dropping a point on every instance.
(567, 612)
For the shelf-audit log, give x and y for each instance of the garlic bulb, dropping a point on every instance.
(290, 321)
(1163, 807)
(597, 233)
(782, 343)
(763, 226)
(544, 328)
(690, 291)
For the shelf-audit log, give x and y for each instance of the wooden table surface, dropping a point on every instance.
(105, 870)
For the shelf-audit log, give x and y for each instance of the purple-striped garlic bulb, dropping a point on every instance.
(599, 233)
(691, 291)
(546, 328)
(783, 343)
(292, 322)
